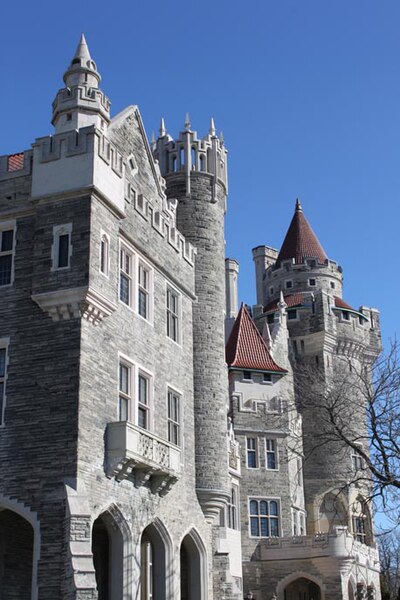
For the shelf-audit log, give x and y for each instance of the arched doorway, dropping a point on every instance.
(155, 563)
(193, 568)
(16, 556)
(350, 591)
(302, 589)
(109, 556)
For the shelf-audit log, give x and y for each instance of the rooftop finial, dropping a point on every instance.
(212, 127)
(221, 138)
(153, 137)
(82, 50)
(298, 205)
(162, 130)
(187, 122)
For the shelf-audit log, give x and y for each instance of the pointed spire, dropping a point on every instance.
(212, 127)
(162, 131)
(82, 50)
(153, 137)
(221, 138)
(301, 242)
(187, 122)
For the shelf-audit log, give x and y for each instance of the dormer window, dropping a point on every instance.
(247, 375)
(267, 378)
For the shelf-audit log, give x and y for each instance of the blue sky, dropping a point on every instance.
(307, 93)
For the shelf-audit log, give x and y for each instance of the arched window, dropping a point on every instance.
(202, 162)
(182, 157)
(194, 158)
(174, 164)
(105, 254)
(361, 521)
(193, 568)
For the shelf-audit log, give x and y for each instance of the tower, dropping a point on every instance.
(195, 171)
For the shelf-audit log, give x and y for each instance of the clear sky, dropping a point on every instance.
(307, 93)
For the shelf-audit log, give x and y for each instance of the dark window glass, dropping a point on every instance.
(292, 314)
(2, 362)
(63, 250)
(142, 304)
(246, 374)
(5, 269)
(124, 289)
(7, 240)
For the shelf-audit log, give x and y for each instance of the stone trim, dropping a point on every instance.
(74, 303)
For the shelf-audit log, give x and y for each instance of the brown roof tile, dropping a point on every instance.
(300, 241)
(246, 348)
(290, 301)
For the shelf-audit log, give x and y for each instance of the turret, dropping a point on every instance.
(81, 103)
(231, 285)
(195, 174)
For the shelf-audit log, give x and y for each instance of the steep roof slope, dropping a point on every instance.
(246, 348)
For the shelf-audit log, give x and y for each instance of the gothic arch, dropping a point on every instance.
(193, 546)
(351, 588)
(283, 583)
(31, 517)
(160, 539)
(120, 551)
(331, 509)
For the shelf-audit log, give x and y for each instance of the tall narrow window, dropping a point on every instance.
(174, 417)
(3, 366)
(62, 247)
(359, 529)
(233, 521)
(252, 462)
(143, 401)
(146, 569)
(264, 518)
(271, 461)
(105, 254)
(126, 276)
(143, 291)
(172, 314)
(125, 394)
(6, 255)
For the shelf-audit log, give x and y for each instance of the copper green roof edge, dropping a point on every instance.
(350, 310)
(280, 372)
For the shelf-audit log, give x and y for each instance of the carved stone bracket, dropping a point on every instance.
(75, 303)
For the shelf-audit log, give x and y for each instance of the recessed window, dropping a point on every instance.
(292, 315)
(69, 117)
(143, 401)
(360, 529)
(267, 378)
(136, 283)
(270, 318)
(271, 290)
(135, 394)
(3, 377)
(312, 282)
(105, 254)
(252, 458)
(125, 391)
(332, 285)
(143, 291)
(345, 316)
(173, 302)
(357, 460)
(6, 255)
(233, 509)
(62, 247)
(288, 284)
(247, 375)
(264, 518)
(271, 459)
(174, 417)
(126, 276)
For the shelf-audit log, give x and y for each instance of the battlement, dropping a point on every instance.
(16, 165)
(163, 222)
(189, 153)
(80, 106)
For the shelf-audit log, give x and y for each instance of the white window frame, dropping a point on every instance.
(170, 421)
(357, 461)
(288, 284)
(312, 284)
(4, 345)
(277, 517)
(8, 226)
(274, 452)
(104, 260)
(298, 521)
(136, 370)
(137, 262)
(147, 406)
(58, 232)
(233, 518)
(252, 450)
(171, 315)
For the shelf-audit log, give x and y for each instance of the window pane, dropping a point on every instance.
(2, 362)
(251, 459)
(271, 463)
(123, 409)
(253, 507)
(142, 389)
(124, 289)
(142, 420)
(274, 527)
(5, 269)
(263, 507)
(7, 240)
(273, 508)
(264, 527)
(142, 308)
(124, 379)
(254, 526)
(63, 250)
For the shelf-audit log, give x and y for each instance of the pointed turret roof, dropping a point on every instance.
(81, 62)
(246, 348)
(300, 241)
(82, 50)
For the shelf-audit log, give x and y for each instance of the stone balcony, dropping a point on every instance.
(141, 456)
(339, 545)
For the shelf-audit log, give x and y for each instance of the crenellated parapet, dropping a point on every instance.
(189, 153)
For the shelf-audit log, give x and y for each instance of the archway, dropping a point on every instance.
(350, 590)
(332, 513)
(16, 556)
(302, 589)
(155, 563)
(193, 568)
(110, 555)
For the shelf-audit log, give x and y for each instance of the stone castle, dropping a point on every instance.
(153, 441)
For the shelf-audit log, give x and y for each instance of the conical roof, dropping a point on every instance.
(246, 348)
(301, 242)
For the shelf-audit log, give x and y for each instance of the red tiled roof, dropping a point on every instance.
(291, 301)
(246, 348)
(15, 162)
(300, 241)
(339, 303)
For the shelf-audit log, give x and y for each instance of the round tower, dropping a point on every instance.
(80, 103)
(195, 174)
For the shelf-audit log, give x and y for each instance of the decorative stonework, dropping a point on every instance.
(75, 303)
